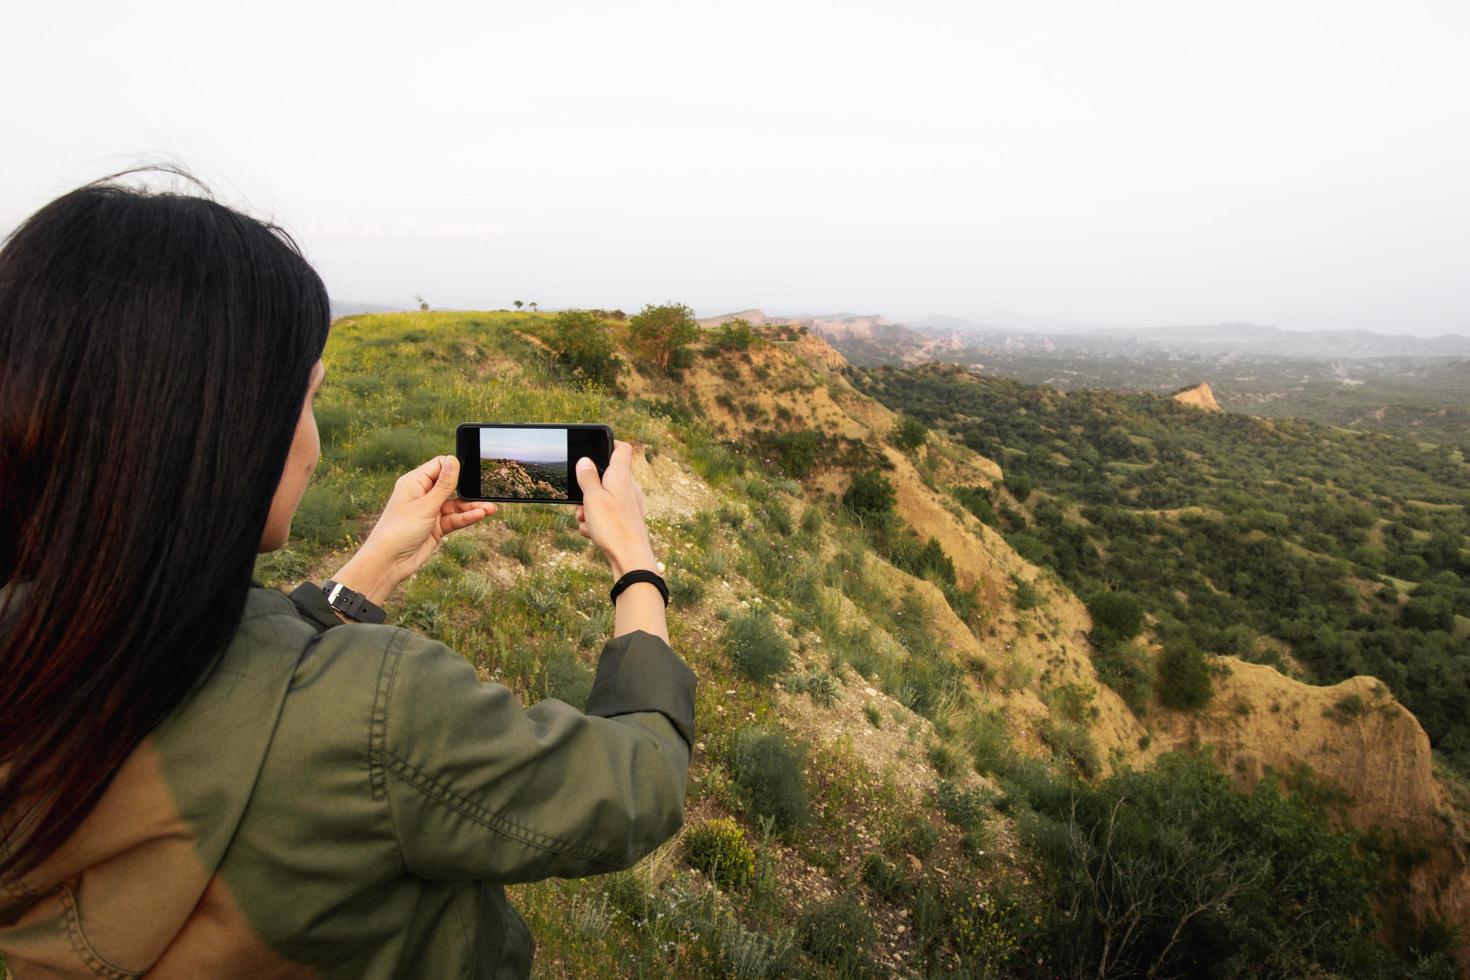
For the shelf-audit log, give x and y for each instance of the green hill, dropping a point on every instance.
(906, 764)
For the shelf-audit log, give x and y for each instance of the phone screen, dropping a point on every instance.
(528, 462)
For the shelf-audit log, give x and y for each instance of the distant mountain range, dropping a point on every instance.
(871, 338)
(353, 309)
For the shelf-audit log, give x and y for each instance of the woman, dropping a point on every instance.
(203, 778)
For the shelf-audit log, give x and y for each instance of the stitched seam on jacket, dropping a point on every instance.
(439, 793)
(378, 728)
(81, 946)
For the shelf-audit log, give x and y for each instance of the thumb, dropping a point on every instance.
(448, 479)
(587, 477)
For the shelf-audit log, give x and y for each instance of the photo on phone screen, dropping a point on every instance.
(530, 461)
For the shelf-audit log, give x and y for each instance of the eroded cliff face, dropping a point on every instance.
(1199, 396)
(1354, 736)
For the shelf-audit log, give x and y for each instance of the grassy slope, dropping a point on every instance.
(893, 698)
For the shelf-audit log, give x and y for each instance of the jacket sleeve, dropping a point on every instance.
(479, 787)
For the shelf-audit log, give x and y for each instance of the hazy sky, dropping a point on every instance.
(527, 445)
(1305, 164)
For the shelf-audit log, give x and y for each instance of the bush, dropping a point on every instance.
(977, 501)
(1128, 671)
(837, 933)
(768, 769)
(756, 646)
(908, 434)
(719, 849)
(884, 877)
(870, 495)
(659, 333)
(1116, 616)
(734, 335)
(820, 686)
(581, 342)
(965, 808)
(1026, 595)
(1184, 678)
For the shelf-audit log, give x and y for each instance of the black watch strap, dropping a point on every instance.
(640, 575)
(353, 605)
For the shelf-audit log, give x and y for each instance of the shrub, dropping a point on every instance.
(567, 678)
(917, 837)
(870, 495)
(1128, 671)
(875, 718)
(1116, 616)
(837, 933)
(883, 877)
(734, 335)
(965, 808)
(1184, 678)
(581, 342)
(1019, 486)
(685, 589)
(820, 686)
(659, 333)
(719, 849)
(756, 646)
(943, 760)
(908, 434)
(977, 501)
(768, 769)
(1071, 743)
(1026, 595)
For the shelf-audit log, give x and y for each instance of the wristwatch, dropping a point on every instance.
(353, 605)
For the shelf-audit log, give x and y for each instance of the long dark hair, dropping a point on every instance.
(155, 352)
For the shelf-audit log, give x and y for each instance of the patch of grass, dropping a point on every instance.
(322, 516)
(767, 767)
(965, 808)
(756, 646)
(396, 449)
(838, 933)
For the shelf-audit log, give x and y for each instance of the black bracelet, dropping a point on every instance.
(640, 575)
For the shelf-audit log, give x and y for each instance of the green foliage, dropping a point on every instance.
(768, 769)
(734, 335)
(883, 877)
(1116, 617)
(978, 501)
(1184, 678)
(719, 849)
(1171, 872)
(756, 646)
(322, 516)
(398, 448)
(1026, 596)
(967, 809)
(908, 434)
(1127, 670)
(838, 933)
(659, 333)
(580, 341)
(870, 496)
(1239, 535)
(797, 452)
(818, 685)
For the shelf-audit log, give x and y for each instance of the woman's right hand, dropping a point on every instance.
(611, 512)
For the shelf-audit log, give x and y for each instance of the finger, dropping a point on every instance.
(417, 481)
(462, 519)
(587, 476)
(620, 466)
(581, 513)
(459, 506)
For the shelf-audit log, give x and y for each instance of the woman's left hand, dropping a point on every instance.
(418, 516)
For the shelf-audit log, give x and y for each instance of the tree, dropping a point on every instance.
(581, 343)
(1184, 678)
(519, 303)
(1116, 616)
(533, 306)
(423, 305)
(908, 433)
(658, 333)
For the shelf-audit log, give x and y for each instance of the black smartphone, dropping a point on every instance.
(528, 461)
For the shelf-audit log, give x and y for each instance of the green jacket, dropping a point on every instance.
(348, 801)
